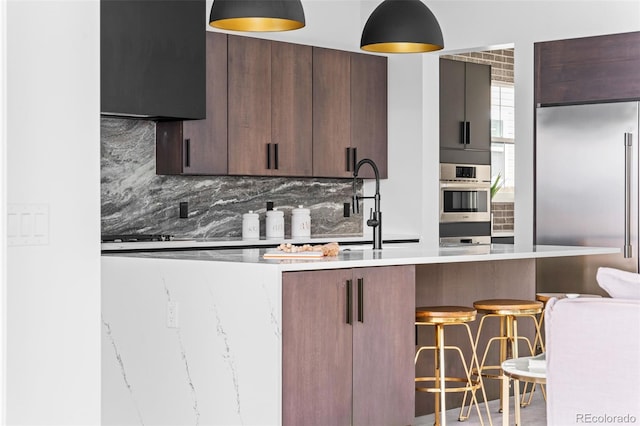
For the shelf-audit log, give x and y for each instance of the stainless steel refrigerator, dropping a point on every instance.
(586, 190)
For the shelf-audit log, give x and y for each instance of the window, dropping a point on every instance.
(502, 112)
(503, 138)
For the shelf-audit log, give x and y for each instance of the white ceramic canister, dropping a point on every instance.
(300, 223)
(275, 224)
(250, 226)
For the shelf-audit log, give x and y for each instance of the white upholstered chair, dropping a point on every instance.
(593, 354)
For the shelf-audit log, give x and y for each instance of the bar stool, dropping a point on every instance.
(439, 317)
(538, 343)
(507, 311)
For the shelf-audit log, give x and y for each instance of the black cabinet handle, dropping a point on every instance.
(361, 299)
(275, 156)
(187, 152)
(349, 301)
(348, 150)
(268, 156)
(354, 158)
(468, 132)
(463, 132)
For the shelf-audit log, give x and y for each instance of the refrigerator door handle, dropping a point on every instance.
(627, 195)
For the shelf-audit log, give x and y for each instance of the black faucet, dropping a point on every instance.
(375, 216)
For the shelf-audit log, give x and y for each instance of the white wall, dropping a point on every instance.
(53, 159)
(3, 203)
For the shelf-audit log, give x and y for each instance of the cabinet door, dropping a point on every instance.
(589, 69)
(383, 346)
(249, 137)
(331, 113)
(316, 348)
(205, 141)
(291, 113)
(452, 97)
(478, 105)
(465, 112)
(199, 147)
(369, 111)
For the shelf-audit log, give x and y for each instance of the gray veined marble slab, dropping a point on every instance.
(136, 200)
(221, 364)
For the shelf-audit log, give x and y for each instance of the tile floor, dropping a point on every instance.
(532, 415)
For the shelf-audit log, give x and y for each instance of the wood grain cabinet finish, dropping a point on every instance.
(348, 346)
(281, 109)
(199, 147)
(465, 112)
(349, 112)
(269, 108)
(586, 70)
(369, 110)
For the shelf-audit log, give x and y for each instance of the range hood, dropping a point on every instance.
(152, 59)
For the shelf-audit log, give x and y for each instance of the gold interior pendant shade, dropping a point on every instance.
(401, 26)
(257, 15)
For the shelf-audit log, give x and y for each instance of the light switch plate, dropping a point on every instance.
(27, 224)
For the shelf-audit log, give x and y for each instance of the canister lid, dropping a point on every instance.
(275, 212)
(250, 215)
(300, 210)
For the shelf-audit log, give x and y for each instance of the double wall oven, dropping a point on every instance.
(465, 204)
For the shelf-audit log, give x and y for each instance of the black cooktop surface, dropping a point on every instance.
(133, 238)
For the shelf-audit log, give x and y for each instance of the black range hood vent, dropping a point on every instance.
(153, 59)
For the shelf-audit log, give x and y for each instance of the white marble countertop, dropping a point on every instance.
(365, 256)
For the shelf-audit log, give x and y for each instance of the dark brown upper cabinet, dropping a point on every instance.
(349, 112)
(586, 70)
(199, 147)
(369, 110)
(152, 58)
(269, 108)
(281, 109)
(465, 112)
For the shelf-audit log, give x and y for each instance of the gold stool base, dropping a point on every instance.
(439, 317)
(508, 311)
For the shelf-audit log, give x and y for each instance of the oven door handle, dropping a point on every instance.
(480, 186)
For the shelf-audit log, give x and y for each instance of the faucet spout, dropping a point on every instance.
(375, 218)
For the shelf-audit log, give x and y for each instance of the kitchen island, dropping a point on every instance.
(227, 337)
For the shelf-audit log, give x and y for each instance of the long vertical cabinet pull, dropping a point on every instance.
(268, 156)
(463, 132)
(354, 158)
(348, 156)
(187, 152)
(361, 299)
(467, 130)
(628, 142)
(349, 301)
(275, 156)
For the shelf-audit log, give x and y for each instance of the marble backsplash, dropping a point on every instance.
(136, 200)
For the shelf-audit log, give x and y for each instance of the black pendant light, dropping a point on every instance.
(257, 15)
(401, 26)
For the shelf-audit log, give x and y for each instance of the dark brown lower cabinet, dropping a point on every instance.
(348, 346)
